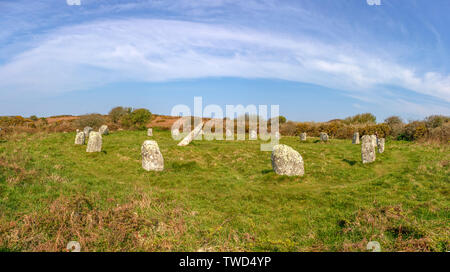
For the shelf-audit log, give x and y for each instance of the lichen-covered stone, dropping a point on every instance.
(380, 143)
(303, 136)
(253, 135)
(87, 130)
(152, 159)
(191, 136)
(80, 138)
(367, 149)
(374, 140)
(287, 161)
(94, 142)
(104, 130)
(150, 132)
(355, 138)
(323, 137)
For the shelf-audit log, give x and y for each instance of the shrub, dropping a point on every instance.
(435, 121)
(138, 118)
(117, 113)
(289, 129)
(414, 131)
(361, 119)
(33, 118)
(93, 120)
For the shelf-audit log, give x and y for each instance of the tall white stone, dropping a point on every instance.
(152, 159)
(104, 130)
(380, 144)
(323, 137)
(80, 138)
(94, 142)
(150, 132)
(355, 138)
(367, 149)
(253, 135)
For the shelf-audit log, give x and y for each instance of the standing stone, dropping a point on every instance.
(80, 138)
(303, 136)
(104, 130)
(253, 135)
(87, 130)
(229, 134)
(355, 138)
(77, 130)
(150, 132)
(191, 136)
(380, 143)
(367, 149)
(374, 140)
(152, 159)
(323, 137)
(287, 161)
(94, 142)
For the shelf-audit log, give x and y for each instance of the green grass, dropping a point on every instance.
(220, 196)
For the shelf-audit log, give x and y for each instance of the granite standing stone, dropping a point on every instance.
(323, 137)
(150, 132)
(355, 138)
(380, 143)
(152, 159)
(87, 130)
(94, 142)
(104, 130)
(287, 161)
(80, 138)
(253, 135)
(367, 149)
(303, 136)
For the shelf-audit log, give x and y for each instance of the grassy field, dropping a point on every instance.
(220, 196)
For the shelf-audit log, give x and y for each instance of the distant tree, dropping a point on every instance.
(93, 120)
(363, 118)
(138, 118)
(435, 121)
(115, 114)
(393, 120)
(395, 124)
(282, 119)
(33, 118)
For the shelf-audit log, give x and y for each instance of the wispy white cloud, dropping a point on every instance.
(93, 54)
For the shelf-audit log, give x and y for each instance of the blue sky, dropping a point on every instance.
(317, 59)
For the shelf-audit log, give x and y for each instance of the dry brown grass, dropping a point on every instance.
(78, 218)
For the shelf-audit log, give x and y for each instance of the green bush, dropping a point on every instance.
(138, 118)
(117, 113)
(93, 120)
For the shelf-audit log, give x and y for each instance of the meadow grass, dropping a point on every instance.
(220, 196)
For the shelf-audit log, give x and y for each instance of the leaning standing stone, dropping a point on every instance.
(367, 149)
(229, 134)
(152, 159)
(94, 142)
(323, 137)
(191, 136)
(380, 143)
(253, 135)
(87, 130)
(287, 161)
(303, 136)
(80, 138)
(355, 138)
(104, 130)
(150, 132)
